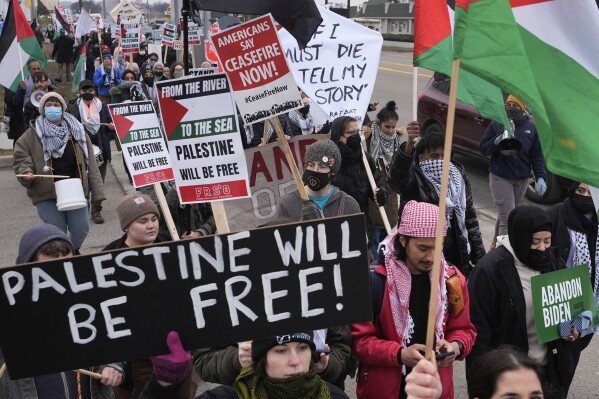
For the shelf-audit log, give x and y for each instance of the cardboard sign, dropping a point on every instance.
(214, 291)
(144, 148)
(130, 38)
(253, 58)
(270, 179)
(203, 71)
(338, 68)
(204, 141)
(560, 296)
(169, 34)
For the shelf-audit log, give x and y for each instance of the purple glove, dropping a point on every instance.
(172, 368)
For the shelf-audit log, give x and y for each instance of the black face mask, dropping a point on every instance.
(87, 96)
(149, 80)
(539, 260)
(316, 180)
(353, 142)
(583, 203)
(158, 74)
(514, 113)
(305, 109)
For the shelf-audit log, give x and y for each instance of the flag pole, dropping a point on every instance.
(415, 94)
(430, 328)
(2, 369)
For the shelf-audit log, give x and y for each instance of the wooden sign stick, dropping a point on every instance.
(2, 369)
(97, 376)
(265, 132)
(164, 57)
(373, 187)
(220, 217)
(166, 212)
(430, 329)
(292, 165)
(47, 176)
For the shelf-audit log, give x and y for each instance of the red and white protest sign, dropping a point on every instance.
(201, 126)
(193, 33)
(209, 48)
(255, 63)
(144, 148)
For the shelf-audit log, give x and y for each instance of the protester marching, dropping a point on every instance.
(266, 234)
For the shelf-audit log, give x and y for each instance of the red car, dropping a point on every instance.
(469, 128)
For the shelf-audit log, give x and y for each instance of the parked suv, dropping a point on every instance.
(469, 128)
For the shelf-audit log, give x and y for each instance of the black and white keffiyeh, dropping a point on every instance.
(383, 145)
(55, 137)
(306, 124)
(582, 254)
(456, 191)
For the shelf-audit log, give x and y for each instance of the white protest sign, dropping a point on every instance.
(201, 126)
(252, 56)
(338, 67)
(127, 10)
(130, 38)
(169, 34)
(193, 35)
(144, 148)
(203, 71)
(178, 44)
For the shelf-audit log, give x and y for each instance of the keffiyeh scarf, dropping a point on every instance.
(383, 145)
(582, 255)
(306, 124)
(456, 191)
(55, 137)
(399, 284)
(90, 115)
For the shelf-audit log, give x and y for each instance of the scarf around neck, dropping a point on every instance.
(456, 192)
(399, 285)
(54, 138)
(249, 385)
(383, 145)
(90, 122)
(306, 124)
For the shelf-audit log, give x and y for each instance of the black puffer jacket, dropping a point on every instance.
(498, 311)
(352, 177)
(63, 49)
(407, 179)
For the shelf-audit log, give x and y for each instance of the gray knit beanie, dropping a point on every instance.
(325, 151)
(133, 206)
(37, 236)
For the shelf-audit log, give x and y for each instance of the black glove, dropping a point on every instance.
(381, 197)
(309, 210)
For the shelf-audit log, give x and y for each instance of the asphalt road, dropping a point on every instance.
(394, 82)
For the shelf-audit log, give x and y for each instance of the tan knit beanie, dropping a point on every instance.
(133, 206)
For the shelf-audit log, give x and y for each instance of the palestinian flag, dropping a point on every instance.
(433, 50)
(17, 45)
(546, 53)
(79, 73)
(301, 18)
(60, 20)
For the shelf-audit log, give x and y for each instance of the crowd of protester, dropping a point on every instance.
(484, 312)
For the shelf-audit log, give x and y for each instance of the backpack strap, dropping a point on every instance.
(377, 292)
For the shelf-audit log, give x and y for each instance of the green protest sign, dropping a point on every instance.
(560, 296)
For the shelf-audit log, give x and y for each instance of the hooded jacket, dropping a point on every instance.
(498, 306)
(352, 177)
(406, 178)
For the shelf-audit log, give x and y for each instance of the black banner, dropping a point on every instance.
(120, 305)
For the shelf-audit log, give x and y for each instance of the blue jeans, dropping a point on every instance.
(75, 222)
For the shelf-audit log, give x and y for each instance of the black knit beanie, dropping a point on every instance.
(261, 346)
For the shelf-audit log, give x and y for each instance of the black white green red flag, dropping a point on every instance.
(17, 45)
(546, 53)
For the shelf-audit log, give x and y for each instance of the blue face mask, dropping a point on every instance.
(53, 113)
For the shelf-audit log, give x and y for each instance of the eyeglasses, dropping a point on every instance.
(352, 132)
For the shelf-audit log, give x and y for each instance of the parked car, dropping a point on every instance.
(469, 128)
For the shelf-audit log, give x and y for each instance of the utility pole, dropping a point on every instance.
(185, 14)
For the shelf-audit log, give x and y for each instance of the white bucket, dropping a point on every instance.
(69, 194)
